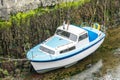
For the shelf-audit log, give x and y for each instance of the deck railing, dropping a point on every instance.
(102, 27)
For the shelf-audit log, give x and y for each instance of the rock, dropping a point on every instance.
(13, 6)
(8, 7)
(117, 52)
(49, 2)
(4, 14)
(17, 71)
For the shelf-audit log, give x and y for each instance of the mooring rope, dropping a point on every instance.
(14, 59)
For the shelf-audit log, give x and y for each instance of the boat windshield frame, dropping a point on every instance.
(66, 34)
(47, 50)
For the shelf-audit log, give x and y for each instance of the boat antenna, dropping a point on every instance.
(68, 13)
(64, 25)
(68, 23)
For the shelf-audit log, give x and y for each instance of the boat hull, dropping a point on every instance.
(42, 67)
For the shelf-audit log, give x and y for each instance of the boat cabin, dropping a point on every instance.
(65, 39)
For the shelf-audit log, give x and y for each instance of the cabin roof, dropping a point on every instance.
(72, 29)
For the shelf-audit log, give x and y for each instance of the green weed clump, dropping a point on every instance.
(71, 4)
(5, 72)
(5, 24)
(22, 16)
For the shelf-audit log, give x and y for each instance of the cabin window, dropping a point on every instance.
(83, 37)
(47, 50)
(73, 37)
(66, 50)
(66, 34)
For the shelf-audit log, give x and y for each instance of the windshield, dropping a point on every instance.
(47, 50)
(66, 34)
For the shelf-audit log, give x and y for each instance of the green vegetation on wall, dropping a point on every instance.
(40, 11)
(36, 25)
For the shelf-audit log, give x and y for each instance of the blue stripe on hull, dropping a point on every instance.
(71, 54)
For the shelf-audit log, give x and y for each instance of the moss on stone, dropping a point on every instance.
(39, 11)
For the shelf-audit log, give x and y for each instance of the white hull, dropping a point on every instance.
(42, 67)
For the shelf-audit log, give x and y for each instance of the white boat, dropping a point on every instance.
(67, 46)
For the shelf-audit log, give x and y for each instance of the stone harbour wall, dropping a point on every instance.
(12, 6)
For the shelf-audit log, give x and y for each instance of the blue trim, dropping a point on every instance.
(92, 35)
(71, 54)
